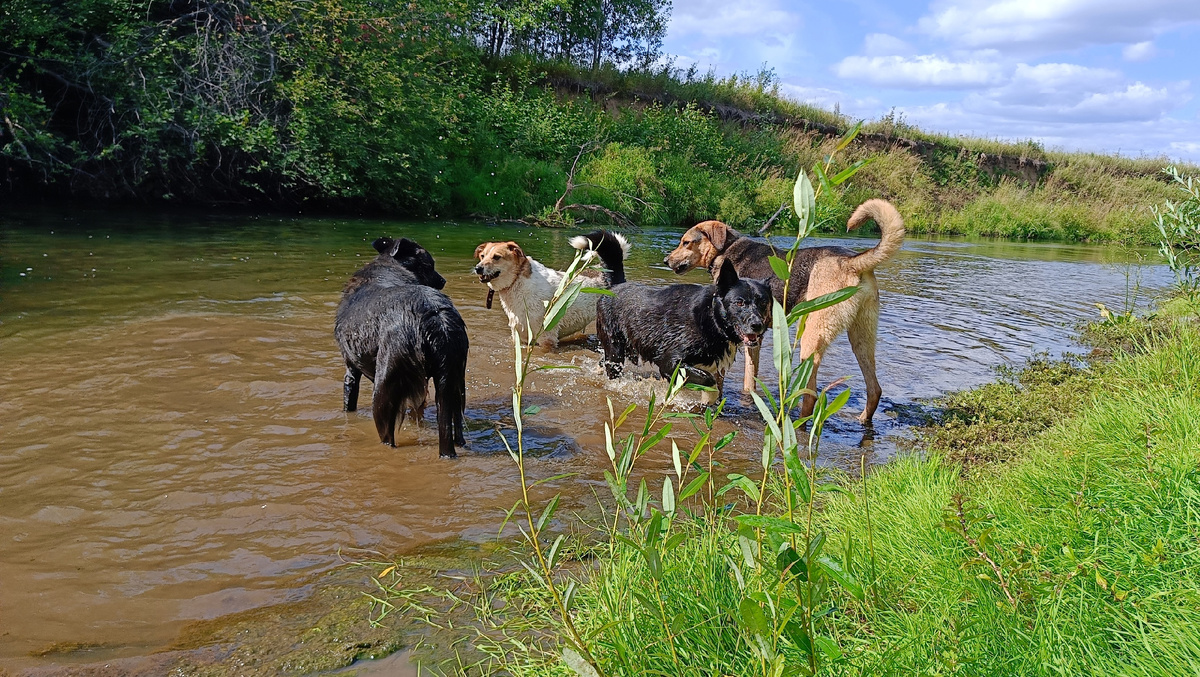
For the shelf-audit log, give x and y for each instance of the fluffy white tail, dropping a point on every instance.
(612, 248)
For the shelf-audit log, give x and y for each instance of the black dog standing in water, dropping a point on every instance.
(696, 326)
(393, 326)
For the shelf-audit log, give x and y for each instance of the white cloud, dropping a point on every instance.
(882, 44)
(1148, 138)
(716, 18)
(817, 96)
(927, 71)
(1065, 91)
(1135, 102)
(1053, 83)
(828, 98)
(1139, 51)
(1054, 25)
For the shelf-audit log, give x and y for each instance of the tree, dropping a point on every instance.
(585, 32)
(625, 32)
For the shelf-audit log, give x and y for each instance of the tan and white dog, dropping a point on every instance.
(526, 286)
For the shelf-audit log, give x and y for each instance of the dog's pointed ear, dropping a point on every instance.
(516, 250)
(404, 247)
(727, 278)
(479, 250)
(383, 245)
(716, 232)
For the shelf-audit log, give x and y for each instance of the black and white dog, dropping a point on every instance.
(393, 326)
(697, 327)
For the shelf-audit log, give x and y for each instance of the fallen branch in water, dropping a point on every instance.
(771, 221)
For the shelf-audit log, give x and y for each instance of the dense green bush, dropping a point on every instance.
(623, 178)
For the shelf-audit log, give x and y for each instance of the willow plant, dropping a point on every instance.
(545, 558)
(790, 549)
(1178, 225)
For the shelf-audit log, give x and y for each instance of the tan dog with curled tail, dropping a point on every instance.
(815, 271)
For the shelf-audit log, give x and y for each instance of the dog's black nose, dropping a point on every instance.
(667, 260)
(757, 327)
(479, 269)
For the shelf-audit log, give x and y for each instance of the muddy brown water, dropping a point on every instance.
(171, 442)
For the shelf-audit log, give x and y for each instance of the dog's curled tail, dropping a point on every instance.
(890, 224)
(612, 248)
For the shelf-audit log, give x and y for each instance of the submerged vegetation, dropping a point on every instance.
(480, 108)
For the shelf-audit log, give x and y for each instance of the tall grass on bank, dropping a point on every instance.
(1080, 559)
(737, 170)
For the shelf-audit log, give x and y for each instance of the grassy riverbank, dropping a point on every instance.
(471, 108)
(1076, 555)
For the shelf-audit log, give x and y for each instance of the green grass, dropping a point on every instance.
(1095, 530)
(1090, 529)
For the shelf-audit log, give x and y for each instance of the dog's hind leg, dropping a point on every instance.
(612, 343)
(862, 334)
(448, 356)
(451, 399)
(350, 387)
(386, 406)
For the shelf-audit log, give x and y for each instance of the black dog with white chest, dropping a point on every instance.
(696, 327)
(396, 328)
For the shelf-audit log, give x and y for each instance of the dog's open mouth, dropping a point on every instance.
(488, 277)
(751, 339)
(681, 268)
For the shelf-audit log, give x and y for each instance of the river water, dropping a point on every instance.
(171, 441)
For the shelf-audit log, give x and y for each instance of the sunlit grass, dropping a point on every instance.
(1091, 526)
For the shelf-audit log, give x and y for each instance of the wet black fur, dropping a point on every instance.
(394, 327)
(681, 324)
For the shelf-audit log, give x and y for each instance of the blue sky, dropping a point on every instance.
(1110, 76)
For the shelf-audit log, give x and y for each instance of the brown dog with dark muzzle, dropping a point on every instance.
(815, 271)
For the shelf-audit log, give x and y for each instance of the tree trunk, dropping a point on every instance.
(598, 47)
(496, 43)
(598, 39)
